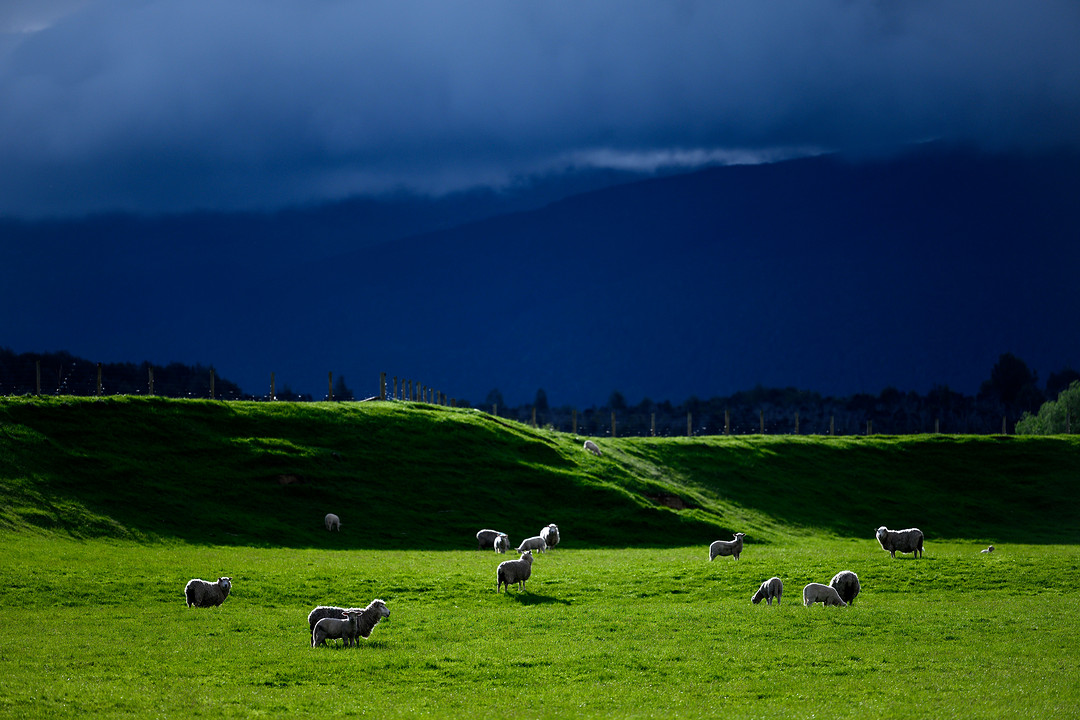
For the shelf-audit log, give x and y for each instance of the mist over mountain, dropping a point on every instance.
(814, 273)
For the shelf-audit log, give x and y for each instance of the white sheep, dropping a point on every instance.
(502, 543)
(329, 628)
(485, 539)
(533, 543)
(721, 548)
(987, 550)
(771, 588)
(550, 535)
(816, 592)
(903, 541)
(369, 617)
(200, 593)
(333, 522)
(514, 572)
(846, 584)
(592, 447)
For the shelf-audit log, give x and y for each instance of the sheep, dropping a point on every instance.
(514, 572)
(988, 550)
(333, 522)
(534, 543)
(200, 593)
(726, 547)
(550, 535)
(369, 617)
(329, 628)
(904, 541)
(592, 447)
(846, 584)
(485, 539)
(816, 592)
(771, 588)
(502, 543)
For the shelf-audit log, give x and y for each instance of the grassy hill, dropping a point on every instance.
(415, 476)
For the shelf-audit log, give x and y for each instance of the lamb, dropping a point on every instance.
(771, 588)
(367, 619)
(904, 541)
(988, 550)
(816, 592)
(502, 543)
(329, 628)
(726, 547)
(485, 539)
(200, 593)
(333, 522)
(846, 584)
(514, 572)
(534, 543)
(550, 535)
(592, 447)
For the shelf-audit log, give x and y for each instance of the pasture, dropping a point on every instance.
(108, 507)
(100, 628)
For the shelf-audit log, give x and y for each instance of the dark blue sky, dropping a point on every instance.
(165, 108)
(173, 105)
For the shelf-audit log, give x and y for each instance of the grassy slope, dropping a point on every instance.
(418, 476)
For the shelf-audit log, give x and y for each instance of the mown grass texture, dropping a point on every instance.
(101, 628)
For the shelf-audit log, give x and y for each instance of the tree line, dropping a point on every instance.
(1011, 391)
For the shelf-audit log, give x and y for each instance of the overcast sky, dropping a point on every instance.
(171, 105)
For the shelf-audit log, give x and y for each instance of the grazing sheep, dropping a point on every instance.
(550, 535)
(368, 619)
(726, 547)
(330, 628)
(592, 447)
(502, 543)
(903, 541)
(988, 550)
(485, 539)
(514, 572)
(333, 522)
(771, 588)
(846, 584)
(200, 593)
(534, 543)
(816, 592)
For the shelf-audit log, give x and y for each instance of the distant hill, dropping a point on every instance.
(405, 475)
(815, 273)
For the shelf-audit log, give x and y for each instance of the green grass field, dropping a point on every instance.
(108, 507)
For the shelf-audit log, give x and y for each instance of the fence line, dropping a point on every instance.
(416, 391)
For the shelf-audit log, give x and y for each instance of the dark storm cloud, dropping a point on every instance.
(174, 105)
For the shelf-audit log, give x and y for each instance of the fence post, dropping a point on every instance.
(273, 391)
(330, 386)
(1004, 431)
(869, 427)
(382, 386)
(395, 388)
(211, 383)
(37, 374)
(573, 415)
(612, 423)
(761, 420)
(832, 424)
(99, 379)
(727, 421)
(689, 424)
(652, 425)
(150, 372)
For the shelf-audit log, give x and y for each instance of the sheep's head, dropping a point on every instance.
(759, 595)
(740, 536)
(224, 582)
(380, 607)
(527, 556)
(881, 532)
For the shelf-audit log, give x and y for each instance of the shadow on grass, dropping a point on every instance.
(528, 598)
